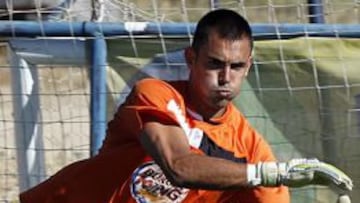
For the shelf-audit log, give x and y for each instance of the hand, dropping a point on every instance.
(298, 173)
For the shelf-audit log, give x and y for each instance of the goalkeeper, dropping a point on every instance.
(184, 141)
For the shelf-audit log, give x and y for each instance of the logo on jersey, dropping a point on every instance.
(149, 184)
(194, 135)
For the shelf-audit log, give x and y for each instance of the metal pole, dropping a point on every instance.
(98, 93)
(316, 11)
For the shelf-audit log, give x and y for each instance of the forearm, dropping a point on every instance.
(170, 149)
(198, 171)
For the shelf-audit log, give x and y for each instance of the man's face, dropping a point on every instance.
(217, 71)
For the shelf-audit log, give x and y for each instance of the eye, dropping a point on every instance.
(215, 64)
(237, 66)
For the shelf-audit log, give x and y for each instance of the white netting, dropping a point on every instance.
(301, 96)
(264, 11)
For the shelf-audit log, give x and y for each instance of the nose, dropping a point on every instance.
(224, 75)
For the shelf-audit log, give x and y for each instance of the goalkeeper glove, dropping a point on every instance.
(297, 173)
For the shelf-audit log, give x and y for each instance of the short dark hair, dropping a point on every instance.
(227, 23)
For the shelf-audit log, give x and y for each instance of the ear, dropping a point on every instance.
(189, 56)
(248, 65)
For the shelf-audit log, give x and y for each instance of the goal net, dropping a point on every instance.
(303, 92)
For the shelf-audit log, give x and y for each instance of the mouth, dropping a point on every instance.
(224, 93)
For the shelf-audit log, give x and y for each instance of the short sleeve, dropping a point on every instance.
(149, 100)
(154, 99)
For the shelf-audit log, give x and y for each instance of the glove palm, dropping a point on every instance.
(298, 173)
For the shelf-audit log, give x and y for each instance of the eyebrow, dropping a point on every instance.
(235, 64)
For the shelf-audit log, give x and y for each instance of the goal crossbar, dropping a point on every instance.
(91, 29)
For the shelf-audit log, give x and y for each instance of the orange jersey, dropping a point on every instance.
(123, 172)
